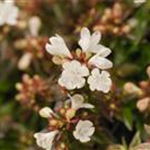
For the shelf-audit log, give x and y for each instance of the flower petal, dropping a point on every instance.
(101, 50)
(100, 62)
(87, 105)
(58, 47)
(73, 75)
(84, 130)
(95, 38)
(84, 41)
(77, 101)
(45, 140)
(99, 81)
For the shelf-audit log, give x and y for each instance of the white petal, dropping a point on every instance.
(106, 82)
(80, 82)
(95, 38)
(46, 112)
(73, 75)
(100, 62)
(45, 140)
(66, 80)
(87, 105)
(99, 81)
(84, 130)
(84, 71)
(73, 65)
(8, 13)
(102, 50)
(12, 19)
(77, 102)
(58, 47)
(84, 41)
(84, 139)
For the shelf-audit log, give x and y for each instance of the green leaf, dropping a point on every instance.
(135, 141)
(128, 119)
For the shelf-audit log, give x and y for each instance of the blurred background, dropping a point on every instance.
(28, 76)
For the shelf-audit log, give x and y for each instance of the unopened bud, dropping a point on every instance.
(21, 44)
(57, 60)
(70, 113)
(143, 104)
(126, 29)
(116, 30)
(19, 86)
(25, 61)
(53, 122)
(46, 112)
(62, 111)
(144, 84)
(131, 88)
(108, 13)
(34, 25)
(112, 106)
(22, 24)
(117, 10)
(78, 52)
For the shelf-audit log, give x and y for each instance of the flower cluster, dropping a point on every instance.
(113, 20)
(32, 91)
(86, 64)
(142, 92)
(64, 118)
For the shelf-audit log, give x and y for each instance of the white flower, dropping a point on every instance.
(83, 131)
(25, 61)
(77, 102)
(90, 43)
(45, 140)
(100, 81)
(8, 13)
(100, 62)
(58, 47)
(73, 75)
(46, 112)
(34, 25)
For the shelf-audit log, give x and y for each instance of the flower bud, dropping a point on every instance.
(25, 61)
(34, 25)
(53, 122)
(19, 86)
(108, 13)
(144, 84)
(46, 112)
(117, 10)
(143, 104)
(70, 113)
(21, 44)
(131, 88)
(57, 60)
(62, 111)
